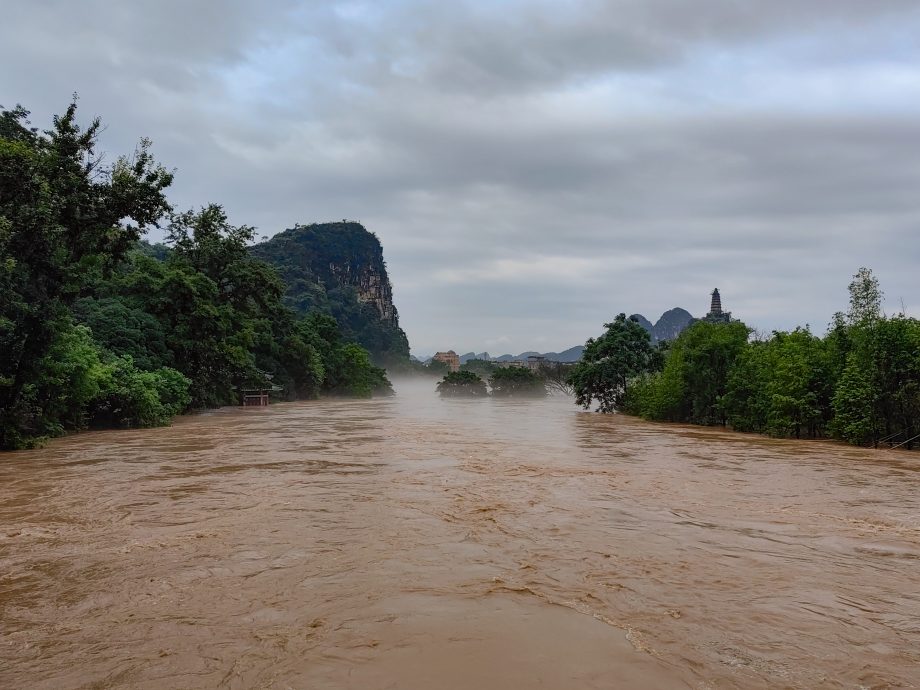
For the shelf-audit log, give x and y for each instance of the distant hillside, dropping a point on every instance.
(672, 323)
(573, 354)
(338, 268)
(668, 326)
(472, 355)
(645, 323)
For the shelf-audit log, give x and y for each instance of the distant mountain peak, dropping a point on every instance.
(473, 355)
(669, 325)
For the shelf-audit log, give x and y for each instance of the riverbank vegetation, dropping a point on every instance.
(100, 329)
(859, 383)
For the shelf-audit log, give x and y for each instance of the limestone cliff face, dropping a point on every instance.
(338, 268)
(372, 285)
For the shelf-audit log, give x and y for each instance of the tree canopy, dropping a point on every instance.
(462, 384)
(610, 362)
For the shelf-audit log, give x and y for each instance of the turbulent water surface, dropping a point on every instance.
(424, 544)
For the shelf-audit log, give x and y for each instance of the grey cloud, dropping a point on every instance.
(493, 49)
(534, 169)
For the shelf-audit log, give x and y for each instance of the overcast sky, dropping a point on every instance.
(532, 168)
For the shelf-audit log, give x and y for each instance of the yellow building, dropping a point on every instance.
(450, 358)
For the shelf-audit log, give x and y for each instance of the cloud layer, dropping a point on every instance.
(532, 168)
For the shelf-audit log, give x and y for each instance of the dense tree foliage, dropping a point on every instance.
(97, 328)
(694, 378)
(859, 383)
(65, 221)
(462, 384)
(516, 382)
(781, 386)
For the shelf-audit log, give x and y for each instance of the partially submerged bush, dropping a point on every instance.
(462, 384)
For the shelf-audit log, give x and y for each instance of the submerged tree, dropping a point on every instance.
(462, 384)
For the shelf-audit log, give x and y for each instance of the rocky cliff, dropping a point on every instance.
(338, 268)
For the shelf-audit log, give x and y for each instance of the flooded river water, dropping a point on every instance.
(425, 544)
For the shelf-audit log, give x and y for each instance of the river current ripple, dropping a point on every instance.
(418, 543)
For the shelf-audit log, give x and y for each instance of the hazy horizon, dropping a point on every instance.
(531, 168)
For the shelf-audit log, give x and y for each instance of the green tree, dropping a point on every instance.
(747, 398)
(462, 384)
(798, 387)
(130, 397)
(362, 378)
(865, 298)
(119, 327)
(692, 385)
(709, 351)
(209, 343)
(610, 363)
(877, 394)
(661, 395)
(72, 375)
(888, 354)
(65, 221)
(854, 406)
(300, 363)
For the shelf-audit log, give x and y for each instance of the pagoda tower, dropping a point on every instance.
(715, 307)
(716, 315)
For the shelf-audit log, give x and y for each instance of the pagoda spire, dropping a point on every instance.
(716, 315)
(715, 308)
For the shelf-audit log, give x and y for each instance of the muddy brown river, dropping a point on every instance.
(425, 544)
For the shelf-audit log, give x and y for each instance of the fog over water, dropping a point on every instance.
(417, 543)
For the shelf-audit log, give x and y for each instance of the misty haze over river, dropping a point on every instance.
(417, 543)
